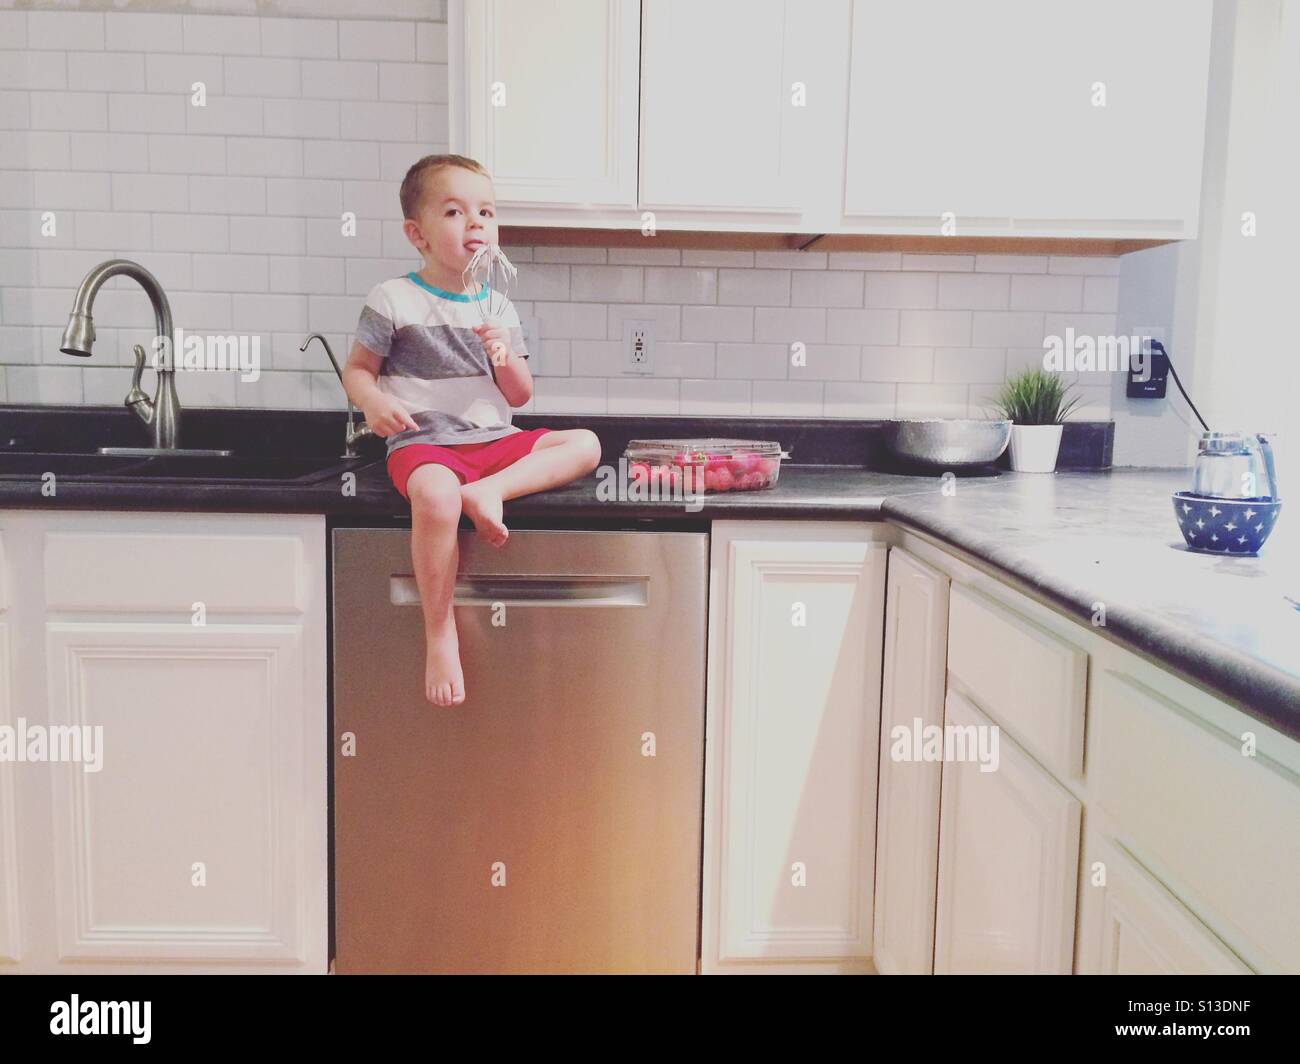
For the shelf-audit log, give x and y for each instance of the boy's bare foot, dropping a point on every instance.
(484, 507)
(444, 681)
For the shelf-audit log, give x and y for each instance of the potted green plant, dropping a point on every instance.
(1036, 404)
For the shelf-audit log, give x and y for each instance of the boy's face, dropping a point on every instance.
(457, 213)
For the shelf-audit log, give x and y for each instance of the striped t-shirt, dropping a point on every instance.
(434, 363)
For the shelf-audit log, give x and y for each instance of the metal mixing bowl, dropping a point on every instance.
(948, 441)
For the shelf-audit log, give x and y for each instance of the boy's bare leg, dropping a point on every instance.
(434, 492)
(557, 457)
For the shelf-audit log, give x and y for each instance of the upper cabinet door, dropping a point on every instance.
(1020, 117)
(548, 97)
(739, 102)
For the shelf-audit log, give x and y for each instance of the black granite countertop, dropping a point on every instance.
(1074, 538)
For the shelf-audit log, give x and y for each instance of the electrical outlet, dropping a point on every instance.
(1151, 332)
(638, 346)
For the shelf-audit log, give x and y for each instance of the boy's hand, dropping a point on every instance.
(387, 417)
(496, 340)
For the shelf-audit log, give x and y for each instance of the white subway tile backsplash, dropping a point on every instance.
(790, 260)
(862, 326)
(36, 150)
(231, 273)
(715, 397)
(185, 232)
(790, 325)
(826, 288)
(632, 395)
(864, 260)
(680, 284)
(262, 76)
(787, 398)
(1006, 328)
(15, 110)
(1046, 292)
(859, 399)
(182, 153)
(754, 361)
(105, 72)
(127, 31)
(238, 206)
(827, 362)
(340, 79)
(34, 70)
(431, 42)
(934, 328)
(310, 197)
(705, 257)
(1098, 266)
(228, 115)
(752, 288)
(939, 263)
(667, 319)
(150, 192)
(933, 400)
(973, 291)
(221, 34)
(271, 236)
(377, 40)
(379, 121)
(1101, 294)
(177, 74)
(568, 255)
(341, 159)
(895, 364)
(264, 156)
(65, 189)
(570, 321)
(969, 365)
(902, 290)
(64, 30)
(413, 82)
(64, 110)
(718, 323)
(623, 284)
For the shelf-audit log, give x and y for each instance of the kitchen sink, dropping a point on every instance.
(232, 468)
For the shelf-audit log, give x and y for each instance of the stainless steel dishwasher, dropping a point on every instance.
(552, 821)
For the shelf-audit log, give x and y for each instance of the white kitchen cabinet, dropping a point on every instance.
(10, 929)
(1024, 118)
(793, 703)
(544, 94)
(197, 644)
(907, 843)
(1130, 924)
(740, 106)
(1008, 861)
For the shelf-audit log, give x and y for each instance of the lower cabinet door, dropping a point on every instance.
(1008, 855)
(1130, 924)
(907, 833)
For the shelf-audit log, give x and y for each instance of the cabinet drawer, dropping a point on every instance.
(145, 572)
(1028, 679)
(1217, 826)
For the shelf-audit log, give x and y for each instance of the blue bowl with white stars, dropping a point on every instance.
(1225, 526)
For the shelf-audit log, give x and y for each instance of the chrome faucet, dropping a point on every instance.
(161, 414)
(353, 433)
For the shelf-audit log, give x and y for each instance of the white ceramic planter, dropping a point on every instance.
(1034, 447)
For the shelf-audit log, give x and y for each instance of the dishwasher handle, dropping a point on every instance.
(520, 589)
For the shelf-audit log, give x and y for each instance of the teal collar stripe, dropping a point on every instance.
(460, 297)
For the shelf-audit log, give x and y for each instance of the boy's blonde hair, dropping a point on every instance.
(413, 183)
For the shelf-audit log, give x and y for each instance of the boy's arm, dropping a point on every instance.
(509, 366)
(384, 414)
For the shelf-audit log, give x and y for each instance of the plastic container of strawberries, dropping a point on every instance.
(706, 464)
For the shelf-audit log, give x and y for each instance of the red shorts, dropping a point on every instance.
(469, 461)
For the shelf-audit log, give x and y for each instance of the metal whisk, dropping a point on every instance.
(490, 267)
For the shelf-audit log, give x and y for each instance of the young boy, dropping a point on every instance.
(439, 384)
